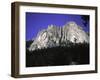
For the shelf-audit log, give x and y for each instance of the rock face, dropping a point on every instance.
(74, 33)
(59, 36)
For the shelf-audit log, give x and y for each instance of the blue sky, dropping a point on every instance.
(35, 22)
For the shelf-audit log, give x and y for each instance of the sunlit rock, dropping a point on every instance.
(59, 36)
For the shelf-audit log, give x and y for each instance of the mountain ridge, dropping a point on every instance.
(59, 36)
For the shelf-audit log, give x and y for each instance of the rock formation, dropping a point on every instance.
(59, 36)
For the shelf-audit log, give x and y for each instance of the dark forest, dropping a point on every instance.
(56, 56)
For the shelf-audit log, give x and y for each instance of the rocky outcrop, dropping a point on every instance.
(59, 36)
(75, 33)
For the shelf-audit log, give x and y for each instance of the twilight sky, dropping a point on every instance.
(35, 22)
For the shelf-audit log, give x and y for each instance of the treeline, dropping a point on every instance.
(62, 55)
